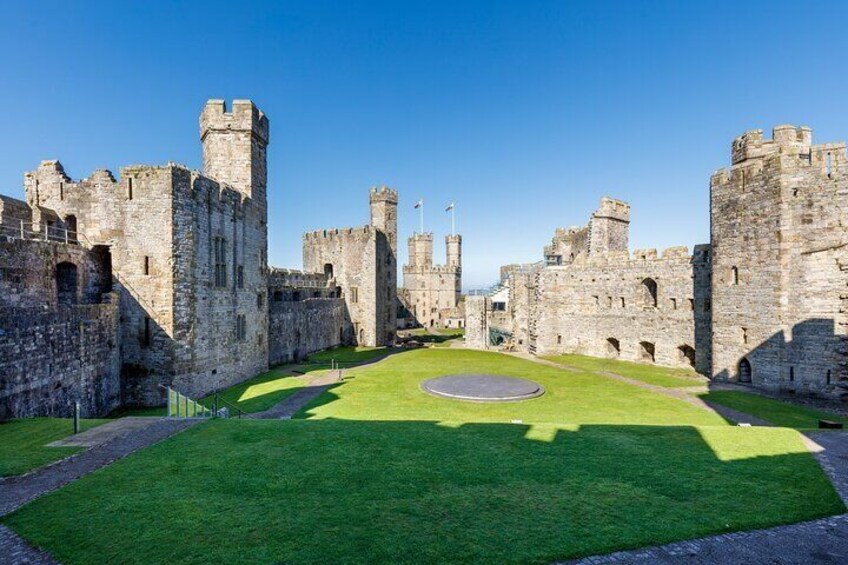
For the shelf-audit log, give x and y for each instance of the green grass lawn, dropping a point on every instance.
(651, 374)
(773, 411)
(23, 443)
(377, 471)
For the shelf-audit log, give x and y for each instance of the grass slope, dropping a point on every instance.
(651, 374)
(774, 411)
(23, 443)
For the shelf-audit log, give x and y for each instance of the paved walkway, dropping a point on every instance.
(120, 442)
(289, 406)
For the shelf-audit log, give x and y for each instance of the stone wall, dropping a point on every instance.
(298, 328)
(59, 339)
(50, 359)
(640, 309)
(779, 263)
(476, 322)
(29, 274)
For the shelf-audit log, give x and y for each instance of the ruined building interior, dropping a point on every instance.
(763, 303)
(111, 287)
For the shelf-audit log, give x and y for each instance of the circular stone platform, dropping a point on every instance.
(483, 388)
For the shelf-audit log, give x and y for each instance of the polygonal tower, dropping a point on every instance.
(235, 146)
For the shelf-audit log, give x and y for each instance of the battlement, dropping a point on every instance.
(383, 194)
(613, 209)
(295, 278)
(790, 148)
(622, 258)
(454, 238)
(334, 233)
(423, 237)
(432, 269)
(751, 145)
(245, 116)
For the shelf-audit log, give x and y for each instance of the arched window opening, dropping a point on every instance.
(328, 270)
(744, 373)
(687, 355)
(361, 336)
(649, 293)
(613, 348)
(734, 275)
(66, 283)
(647, 351)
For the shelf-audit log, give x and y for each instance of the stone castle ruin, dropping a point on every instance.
(764, 303)
(111, 287)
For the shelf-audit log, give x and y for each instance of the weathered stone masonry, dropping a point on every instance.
(58, 330)
(765, 303)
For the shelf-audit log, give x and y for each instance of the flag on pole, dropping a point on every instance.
(450, 207)
(419, 204)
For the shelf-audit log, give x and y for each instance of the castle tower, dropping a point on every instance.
(421, 250)
(778, 263)
(235, 146)
(609, 228)
(384, 203)
(453, 244)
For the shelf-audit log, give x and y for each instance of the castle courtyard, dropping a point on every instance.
(440, 282)
(612, 456)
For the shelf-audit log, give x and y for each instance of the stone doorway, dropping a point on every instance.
(744, 373)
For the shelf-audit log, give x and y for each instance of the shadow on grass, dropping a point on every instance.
(382, 491)
(264, 391)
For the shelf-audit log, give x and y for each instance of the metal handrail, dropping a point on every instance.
(27, 231)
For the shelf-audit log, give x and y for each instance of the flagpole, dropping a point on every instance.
(422, 215)
(453, 218)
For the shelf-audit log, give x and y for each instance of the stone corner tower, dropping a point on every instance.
(453, 245)
(235, 146)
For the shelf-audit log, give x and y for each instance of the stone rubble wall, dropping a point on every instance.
(50, 359)
(297, 329)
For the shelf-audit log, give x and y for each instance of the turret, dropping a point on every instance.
(384, 203)
(421, 250)
(609, 228)
(235, 146)
(453, 245)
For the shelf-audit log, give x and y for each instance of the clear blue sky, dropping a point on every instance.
(525, 113)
